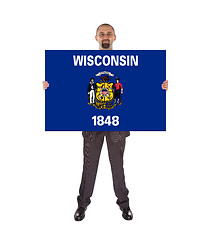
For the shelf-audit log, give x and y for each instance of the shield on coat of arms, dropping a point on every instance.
(104, 92)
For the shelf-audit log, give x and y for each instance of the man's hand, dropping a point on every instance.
(165, 85)
(45, 85)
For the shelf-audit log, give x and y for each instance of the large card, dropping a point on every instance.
(118, 90)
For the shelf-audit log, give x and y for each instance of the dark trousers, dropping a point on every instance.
(92, 150)
(118, 94)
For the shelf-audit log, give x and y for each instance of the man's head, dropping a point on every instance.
(117, 79)
(105, 36)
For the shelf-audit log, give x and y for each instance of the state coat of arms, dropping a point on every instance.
(105, 94)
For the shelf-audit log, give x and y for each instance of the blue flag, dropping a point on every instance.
(118, 90)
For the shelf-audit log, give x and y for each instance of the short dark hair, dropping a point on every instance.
(105, 24)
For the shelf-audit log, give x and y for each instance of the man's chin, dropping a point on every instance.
(105, 45)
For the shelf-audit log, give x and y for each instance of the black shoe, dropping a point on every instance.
(80, 214)
(127, 213)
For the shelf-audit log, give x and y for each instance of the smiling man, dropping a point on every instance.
(105, 36)
(93, 142)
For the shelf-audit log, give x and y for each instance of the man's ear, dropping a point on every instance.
(114, 37)
(96, 38)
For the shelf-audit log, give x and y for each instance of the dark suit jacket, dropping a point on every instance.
(115, 135)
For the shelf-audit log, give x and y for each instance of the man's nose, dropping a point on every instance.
(105, 36)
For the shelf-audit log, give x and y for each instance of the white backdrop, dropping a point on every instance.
(167, 173)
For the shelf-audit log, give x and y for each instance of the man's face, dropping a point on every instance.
(105, 37)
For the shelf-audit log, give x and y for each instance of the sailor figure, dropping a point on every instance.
(91, 91)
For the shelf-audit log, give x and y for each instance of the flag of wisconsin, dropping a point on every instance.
(105, 90)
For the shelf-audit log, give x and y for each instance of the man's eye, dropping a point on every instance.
(102, 34)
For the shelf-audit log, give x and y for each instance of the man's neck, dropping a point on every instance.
(106, 49)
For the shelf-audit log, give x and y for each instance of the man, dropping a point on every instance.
(93, 142)
(91, 91)
(118, 91)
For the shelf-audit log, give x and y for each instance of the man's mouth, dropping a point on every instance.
(105, 43)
